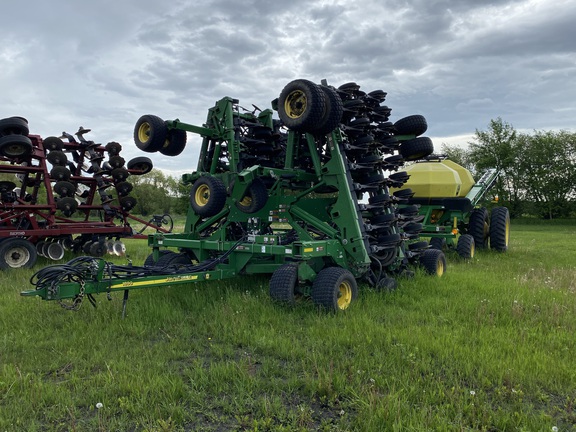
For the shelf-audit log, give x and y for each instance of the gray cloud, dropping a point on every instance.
(103, 64)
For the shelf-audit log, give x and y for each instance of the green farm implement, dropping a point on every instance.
(305, 198)
(450, 204)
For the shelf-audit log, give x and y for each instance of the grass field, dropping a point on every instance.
(490, 346)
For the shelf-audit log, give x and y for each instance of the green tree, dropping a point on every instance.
(155, 192)
(548, 167)
(459, 155)
(498, 148)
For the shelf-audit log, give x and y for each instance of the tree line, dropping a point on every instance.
(537, 170)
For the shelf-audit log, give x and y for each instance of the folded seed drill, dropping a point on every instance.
(304, 198)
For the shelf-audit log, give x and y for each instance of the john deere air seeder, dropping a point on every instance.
(305, 198)
(451, 205)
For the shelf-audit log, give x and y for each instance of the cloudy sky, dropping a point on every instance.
(102, 64)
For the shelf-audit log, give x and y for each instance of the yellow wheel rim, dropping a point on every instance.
(246, 201)
(472, 251)
(439, 268)
(202, 195)
(295, 104)
(344, 295)
(144, 132)
(507, 239)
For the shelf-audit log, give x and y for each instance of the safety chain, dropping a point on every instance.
(77, 302)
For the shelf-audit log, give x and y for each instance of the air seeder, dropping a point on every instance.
(305, 198)
(450, 203)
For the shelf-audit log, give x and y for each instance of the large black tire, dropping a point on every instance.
(150, 133)
(411, 125)
(417, 148)
(17, 253)
(466, 247)
(255, 198)
(334, 289)
(479, 228)
(333, 113)
(149, 261)
(175, 142)
(433, 261)
(438, 243)
(15, 146)
(173, 259)
(140, 165)
(499, 229)
(301, 105)
(14, 126)
(208, 196)
(284, 284)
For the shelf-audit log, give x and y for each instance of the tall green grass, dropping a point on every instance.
(489, 346)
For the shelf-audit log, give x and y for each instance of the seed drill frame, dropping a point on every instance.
(283, 197)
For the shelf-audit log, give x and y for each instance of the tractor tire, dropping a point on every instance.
(284, 284)
(479, 228)
(52, 143)
(60, 173)
(149, 261)
(14, 126)
(334, 110)
(255, 199)
(411, 125)
(208, 196)
(139, 165)
(150, 133)
(433, 261)
(15, 146)
(175, 142)
(466, 247)
(334, 289)
(17, 253)
(438, 243)
(57, 158)
(301, 106)
(417, 148)
(113, 148)
(499, 229)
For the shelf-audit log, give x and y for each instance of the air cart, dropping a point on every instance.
(449, 202)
